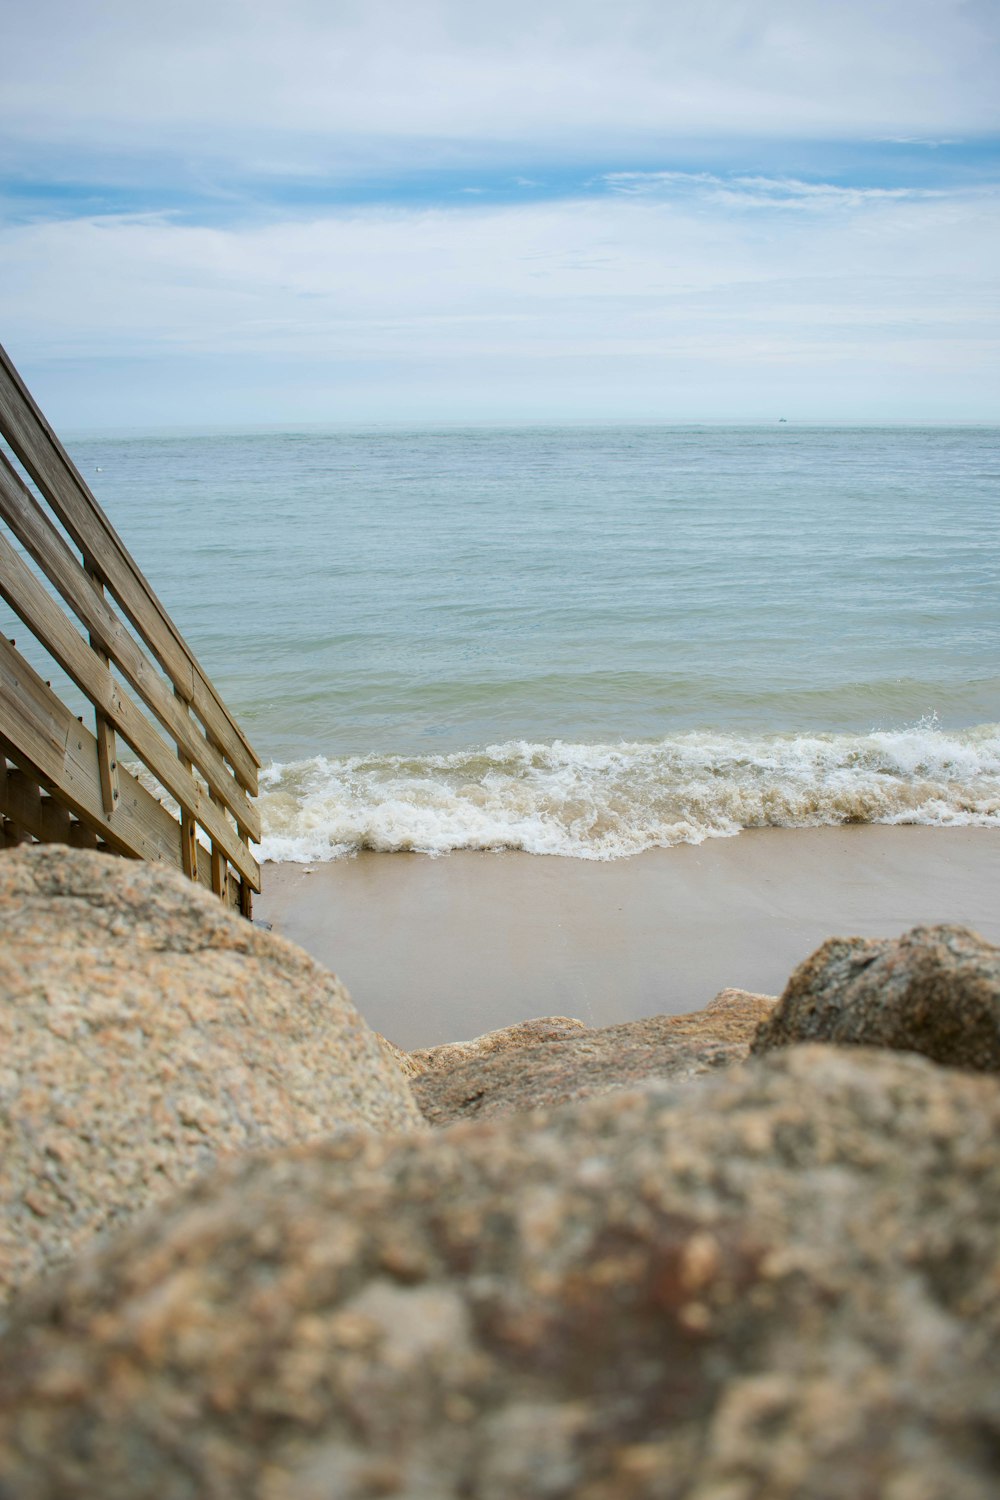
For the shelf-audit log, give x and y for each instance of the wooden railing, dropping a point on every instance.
(60, 781)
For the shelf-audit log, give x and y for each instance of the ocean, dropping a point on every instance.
(583, 641)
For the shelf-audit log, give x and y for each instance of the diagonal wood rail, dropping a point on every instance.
(59, 781)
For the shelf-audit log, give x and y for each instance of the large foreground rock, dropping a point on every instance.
(935, 991)
(144, 1030)
(775, 1283)
(557, 1060)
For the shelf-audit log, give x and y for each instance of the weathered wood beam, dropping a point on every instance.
(44, 739)
(46, 620)
(45, 459)
(51, 822)
(84, 595)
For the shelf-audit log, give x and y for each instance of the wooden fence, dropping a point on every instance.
(60, 781)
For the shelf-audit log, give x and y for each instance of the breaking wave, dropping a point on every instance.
(606, 801)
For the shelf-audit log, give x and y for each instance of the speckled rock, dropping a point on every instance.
(144, 1030)
(775, 1283)
(505, 1039)
(935, 991)
(575, 1062)
(398, 1058)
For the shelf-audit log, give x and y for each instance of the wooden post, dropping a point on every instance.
(82, 837)
(26, 804)
(55, 822)
(23, 801)
(68, 784)
(189, 828)
(10, 835)
(220, 864)
(107, 749)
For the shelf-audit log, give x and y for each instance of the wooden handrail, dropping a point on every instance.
(39, 734)
(26, 520)
(67, 494)
(193, 747)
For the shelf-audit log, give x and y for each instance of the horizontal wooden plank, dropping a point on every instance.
(45, 459)
(40, 734)
(82, 836)
(43, 732)
(26, 428)
(46, 620)
(22, 801)
(36, 534)
(144, 828)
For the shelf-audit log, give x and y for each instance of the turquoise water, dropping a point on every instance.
(584, 641)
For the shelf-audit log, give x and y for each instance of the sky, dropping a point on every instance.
(240, 212)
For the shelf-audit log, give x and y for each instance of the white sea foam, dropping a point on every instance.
(606, 801)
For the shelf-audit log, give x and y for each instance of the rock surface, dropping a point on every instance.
(776, 1283)
(935, 990)
(397, 1057)
(144, 1030)
(506, 1039)
(567, 1061)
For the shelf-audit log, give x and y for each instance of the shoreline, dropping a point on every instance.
(443, 949)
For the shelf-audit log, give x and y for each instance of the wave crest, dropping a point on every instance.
(606, 801)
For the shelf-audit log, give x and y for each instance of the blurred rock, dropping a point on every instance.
(143, 1031)
(506, 1039)
(775, 1283)
(555, 1061)
(399, 1059)
(935, 991)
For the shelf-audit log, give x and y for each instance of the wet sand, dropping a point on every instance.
(436, 950)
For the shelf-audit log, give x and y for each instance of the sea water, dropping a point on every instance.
(583, 641)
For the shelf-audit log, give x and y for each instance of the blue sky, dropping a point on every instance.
(239, 213)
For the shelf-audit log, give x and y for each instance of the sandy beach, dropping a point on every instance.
(435, 950)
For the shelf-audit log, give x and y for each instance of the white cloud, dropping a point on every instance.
(235, 77)
(702, 289)
(752, 192)
(622, 295)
